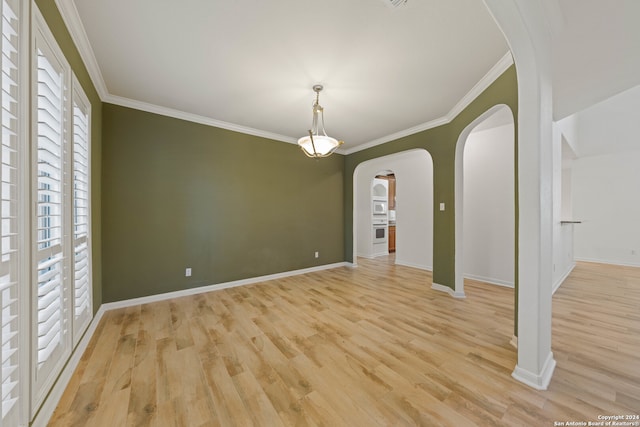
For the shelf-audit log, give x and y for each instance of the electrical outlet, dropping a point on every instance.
(317, 254)
(187, 272)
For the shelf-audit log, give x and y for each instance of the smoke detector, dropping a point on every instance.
(392, 4)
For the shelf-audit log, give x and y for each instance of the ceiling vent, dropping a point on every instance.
(392, 4)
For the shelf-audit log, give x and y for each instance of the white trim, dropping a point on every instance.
(72, 20)
(608, 262)
(443, 288)
(195, 118)
(49, 405)
(562, 279)
(218, 286)
(490, 281)
(414, 265)
(496, 71)
(412, 130)
(492, 75)
(539, 382)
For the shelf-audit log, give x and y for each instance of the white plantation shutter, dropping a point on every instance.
(12, 310)
(82, 284)
(51, 216)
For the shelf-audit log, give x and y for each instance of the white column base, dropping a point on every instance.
(443, 288)
(538, 381)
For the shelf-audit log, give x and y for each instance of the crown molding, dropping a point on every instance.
(72, 20)
(496, 71)
(401, 134)
(177, 114)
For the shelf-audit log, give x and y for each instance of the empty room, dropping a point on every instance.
(343, 213)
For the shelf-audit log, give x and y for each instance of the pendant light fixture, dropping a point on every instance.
(318, 144)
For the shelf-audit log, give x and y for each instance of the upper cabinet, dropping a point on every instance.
(391, 189)
(392, 192)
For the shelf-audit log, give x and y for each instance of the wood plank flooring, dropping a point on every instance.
(370, 346)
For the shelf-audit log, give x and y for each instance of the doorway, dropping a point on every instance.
(485, 200)
(413, 173)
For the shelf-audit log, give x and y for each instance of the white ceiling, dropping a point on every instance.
(596, 51)
(249, 65)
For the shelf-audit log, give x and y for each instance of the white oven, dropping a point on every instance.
(380, 229)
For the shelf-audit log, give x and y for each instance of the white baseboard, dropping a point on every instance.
(367, 256)
(413, 265)
(563, 278)
(443, 288)
(609, 262)
(538, 381)
(51, 402)
(218, 286)
(490, 280)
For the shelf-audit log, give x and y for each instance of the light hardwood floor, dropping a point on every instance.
(371, 346)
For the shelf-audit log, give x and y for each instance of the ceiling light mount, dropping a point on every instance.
(392, 4)
(318, 144)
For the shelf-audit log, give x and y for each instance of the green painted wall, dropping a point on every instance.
(59, 30)
(178, 194)
(440, 142)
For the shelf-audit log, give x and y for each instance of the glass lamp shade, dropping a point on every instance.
(324, 145)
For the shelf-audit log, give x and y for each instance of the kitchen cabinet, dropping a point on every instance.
(392, 238)
(392, 192)
(391, 197)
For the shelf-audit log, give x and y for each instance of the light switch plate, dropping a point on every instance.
(442, 206)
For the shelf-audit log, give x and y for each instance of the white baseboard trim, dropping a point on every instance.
(217, 286)
(412, 265)
(538, 381)
(51, 402)
(562, 279)
(367, 256)
(609, 262)
(443, 288)
(490, 281)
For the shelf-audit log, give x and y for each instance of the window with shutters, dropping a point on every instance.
(61, 306)
(52, 255)
(13, 304)
(82, 301)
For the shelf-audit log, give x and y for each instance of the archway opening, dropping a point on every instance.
(485, 212)
(413, 207)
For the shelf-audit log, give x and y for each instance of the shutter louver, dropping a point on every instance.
(82, 303)
(10, 352)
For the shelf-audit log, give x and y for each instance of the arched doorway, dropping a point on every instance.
(505, 245)
(413, 170)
